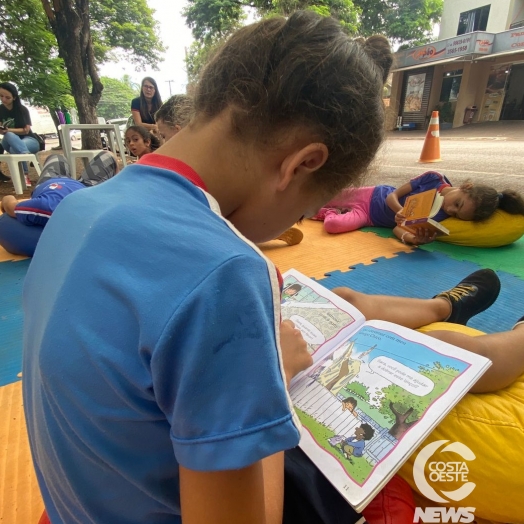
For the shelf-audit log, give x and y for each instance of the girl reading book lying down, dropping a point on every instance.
(382, 206)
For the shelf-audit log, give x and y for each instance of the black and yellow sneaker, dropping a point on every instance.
(472, 295)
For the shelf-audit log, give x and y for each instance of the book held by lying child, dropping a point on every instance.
(419, 211)
(374, 392)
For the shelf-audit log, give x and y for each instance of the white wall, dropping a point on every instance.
(500, 12)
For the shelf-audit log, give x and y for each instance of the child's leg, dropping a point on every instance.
(103, 167)
(358, 201)
(469, 297)
(505, 350)
(350, 196)
(55, 166)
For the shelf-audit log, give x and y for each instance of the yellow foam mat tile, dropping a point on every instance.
(20, 500)
(319, 252)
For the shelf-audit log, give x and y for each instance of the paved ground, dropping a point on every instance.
(496, 163)
(490, 153)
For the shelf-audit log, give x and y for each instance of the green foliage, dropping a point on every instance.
(212, 21)
(403, 400)
(128, 26)
(402, 21)
(29, 56)
(116, 97)
(358, 389)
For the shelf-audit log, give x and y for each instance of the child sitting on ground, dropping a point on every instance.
(173, 115)
(140, 141)
(382, 206)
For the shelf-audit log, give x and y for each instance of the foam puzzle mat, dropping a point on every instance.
(423, 274)
(364, 260)
(12, 275)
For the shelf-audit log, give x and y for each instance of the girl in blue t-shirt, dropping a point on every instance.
(381, 206)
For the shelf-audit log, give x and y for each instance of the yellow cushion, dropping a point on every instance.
(492, 426)
(499, 229)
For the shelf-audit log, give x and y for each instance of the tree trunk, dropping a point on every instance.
(400, 426)
(54, 116)
(69, 21)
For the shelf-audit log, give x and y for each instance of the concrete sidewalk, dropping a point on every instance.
(503, 130)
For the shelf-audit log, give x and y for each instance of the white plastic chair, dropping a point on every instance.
(113, 136)
(15, 168)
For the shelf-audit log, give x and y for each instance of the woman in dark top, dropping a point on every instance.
(146, 105)
(15, 124)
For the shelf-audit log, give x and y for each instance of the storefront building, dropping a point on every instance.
(480, 70)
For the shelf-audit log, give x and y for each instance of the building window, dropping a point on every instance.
(474, 20)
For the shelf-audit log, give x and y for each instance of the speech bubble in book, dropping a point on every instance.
(311, 334)
(401, 375)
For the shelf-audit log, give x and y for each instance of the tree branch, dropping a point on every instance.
(48, 11)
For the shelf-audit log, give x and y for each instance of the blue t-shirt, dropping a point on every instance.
(358, 446)
(46, 196)
(150, 341)
(383, 216)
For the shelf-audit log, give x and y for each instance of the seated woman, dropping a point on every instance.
(15, 126)
(23, 222)
(144, 107)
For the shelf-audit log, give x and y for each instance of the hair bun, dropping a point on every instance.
(378, 48)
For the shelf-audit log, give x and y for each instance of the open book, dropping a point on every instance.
(374, 392)
(419, 210)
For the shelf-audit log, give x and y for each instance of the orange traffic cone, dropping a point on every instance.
(431, 148)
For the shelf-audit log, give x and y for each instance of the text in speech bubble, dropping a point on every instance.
(402, 376)
(311, 334)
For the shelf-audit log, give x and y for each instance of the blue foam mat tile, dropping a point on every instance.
(423, 274)
(12, 276)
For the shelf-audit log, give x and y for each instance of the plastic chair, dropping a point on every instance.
(17, 174)
(113, 135)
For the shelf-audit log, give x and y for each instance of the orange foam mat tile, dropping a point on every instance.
(319, 252)
(20, 500)
(8, 257)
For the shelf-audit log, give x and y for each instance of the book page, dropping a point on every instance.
(369, 404)
(324, 318)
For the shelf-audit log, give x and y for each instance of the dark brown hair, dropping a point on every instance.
(487, 199)
(302, 73)
(369, 432)
(175, 111)
(154, 142)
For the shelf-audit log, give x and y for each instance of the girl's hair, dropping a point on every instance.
(156, 101)
(304, 73)
(154, 141)
(487, 200)
(351, 400)
(16, 98)
(175, 111)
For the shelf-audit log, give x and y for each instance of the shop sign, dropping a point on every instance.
(512, 40)
(478, 42)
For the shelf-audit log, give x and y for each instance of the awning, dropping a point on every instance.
(436, 62)
(504, 53)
